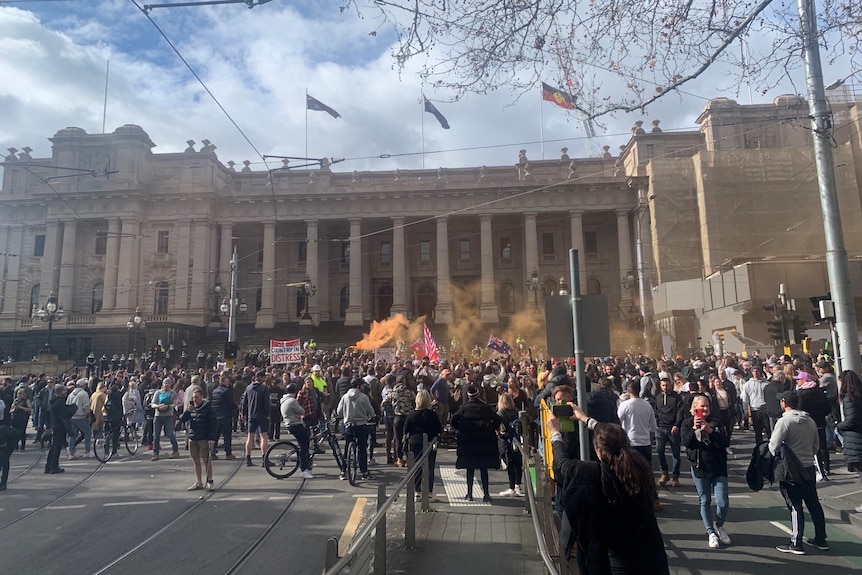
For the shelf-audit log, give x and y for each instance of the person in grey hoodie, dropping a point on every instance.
(797, 432)
(355, 410)
(293, 414)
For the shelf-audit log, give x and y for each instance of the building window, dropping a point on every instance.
(507, 298)
(258, 299)
(39, 246)
(162, 295)
(386, 252)
(649, 153)
(34, 297)
(345, 252)
(301, 251)
(260, 252)
(425, 251)
(464, 250)
(101, 243)
(591, 245)
(301, 300)
(96, 298)
(163, 242)
(506, 250)
(343, 301)
(594, 287)
(548, 252)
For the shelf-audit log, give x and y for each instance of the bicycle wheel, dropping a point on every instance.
(132, 438)
(104, 447)
(352, 463)
(281, 459)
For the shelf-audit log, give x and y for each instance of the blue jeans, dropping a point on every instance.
(705, 487)
(664, 437)
(166, 423)
(83, 425)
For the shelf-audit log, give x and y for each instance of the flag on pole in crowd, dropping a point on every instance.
(418, 347)
(430, 345)
(313, 103)
(498, 345)
(431, 109)
(558, 97)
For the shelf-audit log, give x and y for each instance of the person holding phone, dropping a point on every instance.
(203, 432)
(706, 440)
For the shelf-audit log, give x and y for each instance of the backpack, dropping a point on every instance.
(149, 411)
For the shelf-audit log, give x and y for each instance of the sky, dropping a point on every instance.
(259, 63)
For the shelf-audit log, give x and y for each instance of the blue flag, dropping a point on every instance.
(498, 345)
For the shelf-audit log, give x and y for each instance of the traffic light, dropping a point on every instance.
(775, 326)
(800, 329)
(230, 349)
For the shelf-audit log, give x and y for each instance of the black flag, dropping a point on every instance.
(429, 107)
(312, 103)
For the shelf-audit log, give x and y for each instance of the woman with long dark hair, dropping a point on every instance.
(477, 424)
(609, 503)
(851, 427)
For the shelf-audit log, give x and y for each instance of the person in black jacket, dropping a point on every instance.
(423, 421)
(61, 427)
(203, 432)
(706, 442)
(668, 414)
(8, 437)
(609, 503)
(812, 400)
(477, 424)
(113, 411)
(225, 409)
(851, 427)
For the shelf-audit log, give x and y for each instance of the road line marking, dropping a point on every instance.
(28, 509)
(846, 494)
(352, 525)
(782, 527)
(57, 507)
(314, 497)
(124, 503)
(237, 499)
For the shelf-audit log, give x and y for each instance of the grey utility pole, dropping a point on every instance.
(837, 262)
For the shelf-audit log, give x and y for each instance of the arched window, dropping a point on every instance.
(507, 298)
(384, 301)
(161, 300)
(550, 287)
(426, 300)
(594, 286)
(34, 298)
(96, 298)
(343, 301)
(301, 299)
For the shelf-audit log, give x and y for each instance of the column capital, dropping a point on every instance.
(442, 220)
(354, 220)
(622, 211)
(485, 217)
(398, 220)
(577, 213)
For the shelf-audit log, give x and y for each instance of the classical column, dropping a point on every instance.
(225, 252)
(488, 311)
(184, 257)
(399, 275)
(531, 255)
(625, 250)
(50, 261)
(66, 287)
(129, 265)
(577, 224)
(266, 315)
(202, 280)
(443, 311)
(353, 315)
(312, 259)
(112, 263)
(11, 285)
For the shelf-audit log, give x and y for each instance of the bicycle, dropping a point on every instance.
(131, 436)
(106, 441)
(282, 458)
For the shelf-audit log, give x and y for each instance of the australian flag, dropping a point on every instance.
(313, 103)
(498, 345)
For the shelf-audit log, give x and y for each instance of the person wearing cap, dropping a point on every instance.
(321, 386)
(796, 433)
(355, 411)
(164, 402)
(294, 414)
(812, 400)
(477, 424)
(80, 419)
(254, 409)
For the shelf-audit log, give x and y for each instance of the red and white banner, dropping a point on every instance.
(281, 352)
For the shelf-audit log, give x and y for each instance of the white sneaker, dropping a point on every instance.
(723, 536)
(713, 541)
(729, 451)
(518, 492)
(858, 509)
(307, 474)
(507, 493)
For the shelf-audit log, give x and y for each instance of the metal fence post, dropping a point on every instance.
(410, 514)
(426, 469)
(331, 552)
(526, 443)
(380, 533)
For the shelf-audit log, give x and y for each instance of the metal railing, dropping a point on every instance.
(357, 557)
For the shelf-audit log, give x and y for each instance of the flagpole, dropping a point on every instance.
(422, 113)
(306, 121)
(542, 127)
(105, 104)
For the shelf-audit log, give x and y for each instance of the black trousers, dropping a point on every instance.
(760, 420)
(300, 433)
(58, 442)
(225, 433)
(794, 496)
(5, 454)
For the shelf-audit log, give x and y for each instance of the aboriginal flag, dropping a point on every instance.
(558, 97)
(312, 103)
(431, 109)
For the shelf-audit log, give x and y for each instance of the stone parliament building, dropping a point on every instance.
(726, 212)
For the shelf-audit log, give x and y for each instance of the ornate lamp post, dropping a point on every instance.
(135, 325)
(217, 294)
(308, 290)
(534, 284)
(50, 312)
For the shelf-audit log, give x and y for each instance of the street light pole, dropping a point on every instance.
(534, 283)
(642, 208)
(136, 324)
(50, 312)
